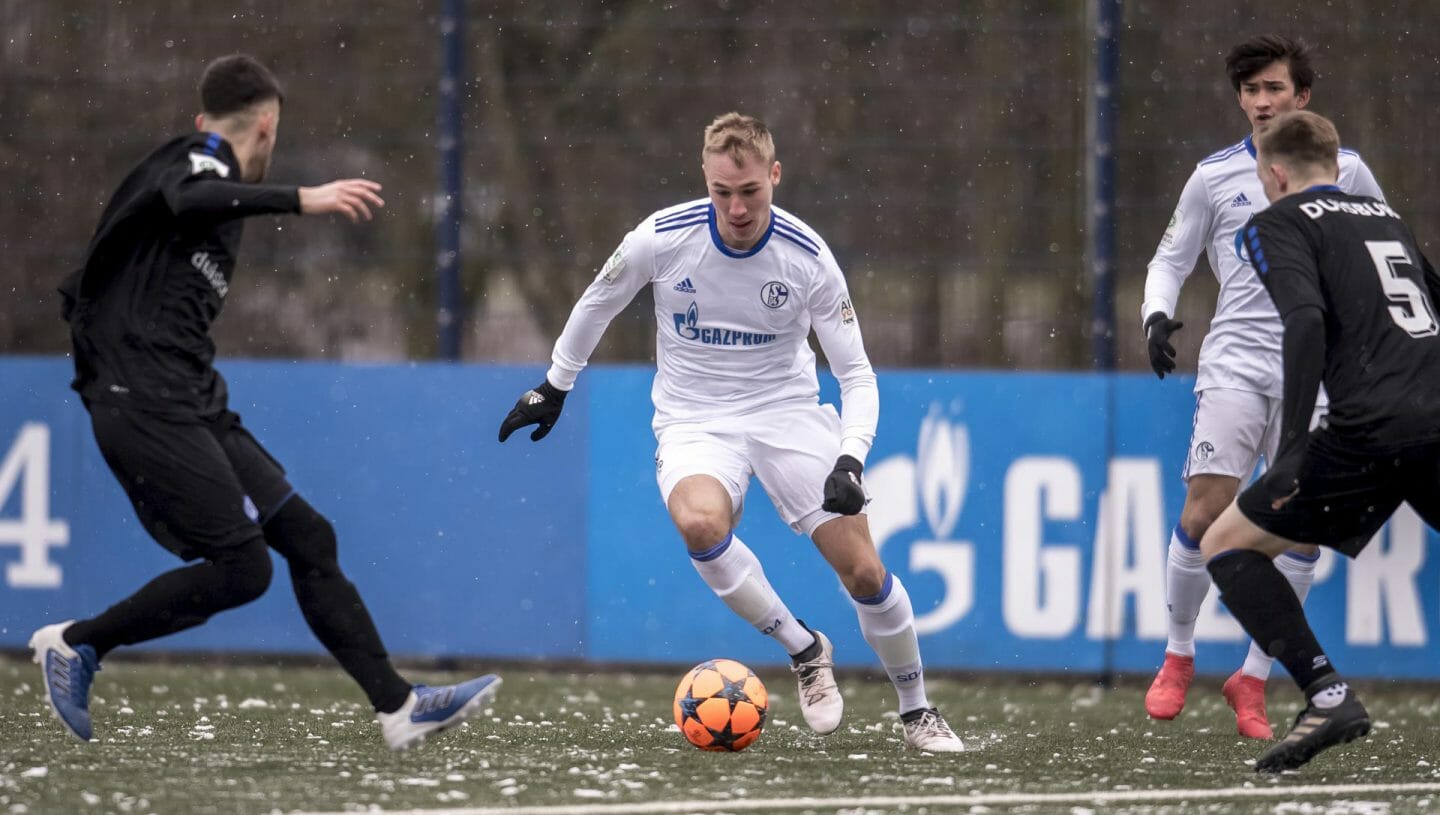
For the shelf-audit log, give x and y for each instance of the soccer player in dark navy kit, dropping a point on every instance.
(154, 278)
(1358, 302)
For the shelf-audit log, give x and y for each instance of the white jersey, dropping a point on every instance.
(1243, 349)
(732, 328)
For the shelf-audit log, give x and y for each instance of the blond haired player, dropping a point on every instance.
(738, 286)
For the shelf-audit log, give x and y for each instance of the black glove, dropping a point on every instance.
(1281, 481)
(539, 406)
(1158, 329)
(843, 493)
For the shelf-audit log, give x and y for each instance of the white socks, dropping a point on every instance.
(887, 619)
(1300, 571)
(1186, 584)
(888, 622)
(733, 572)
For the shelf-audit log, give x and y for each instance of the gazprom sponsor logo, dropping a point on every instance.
(688, 326)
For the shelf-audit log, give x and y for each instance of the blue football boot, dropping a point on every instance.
(68, 673)
(433, 709)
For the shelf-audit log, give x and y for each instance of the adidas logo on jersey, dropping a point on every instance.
(685, 286)
(1239, 201)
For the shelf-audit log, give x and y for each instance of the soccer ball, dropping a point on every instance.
(720, 706)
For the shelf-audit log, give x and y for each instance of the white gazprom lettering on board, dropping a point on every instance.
(34, 531)
(1041, 581)
(1044, 581)
(1129, 560)
(1061, 574)
(1381, 590)
(930, 487)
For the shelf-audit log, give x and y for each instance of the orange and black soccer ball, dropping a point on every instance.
(720, 706)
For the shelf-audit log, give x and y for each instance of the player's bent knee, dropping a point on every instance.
(861, 572)
(247, 570)
(701, 530)
(1206, 499)
(1231, 531)
(304, 537)
(865, 580)
(1197, 520)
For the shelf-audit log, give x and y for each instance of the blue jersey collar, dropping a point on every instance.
(1323, 188)
(720, 244)
(1250, 145)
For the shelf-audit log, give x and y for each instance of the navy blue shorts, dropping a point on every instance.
(197, 484)
(1347, 492)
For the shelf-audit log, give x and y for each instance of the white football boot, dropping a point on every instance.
(926, 729)
(820, 699)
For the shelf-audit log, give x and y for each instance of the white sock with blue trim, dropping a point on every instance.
(1186, 584)
(733, 572)
(1299, 570)
(888, 622)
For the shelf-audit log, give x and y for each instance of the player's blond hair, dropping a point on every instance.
(739, 137)
(1302, 139)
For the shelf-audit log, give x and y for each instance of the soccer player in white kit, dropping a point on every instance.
(1238, 387)
(738, 285)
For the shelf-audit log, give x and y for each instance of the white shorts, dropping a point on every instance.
(791, 449)
(1233, 429)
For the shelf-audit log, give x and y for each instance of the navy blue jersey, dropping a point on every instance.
(156, 274)
(1352, 258)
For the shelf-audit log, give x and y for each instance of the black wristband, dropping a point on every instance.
(849, 464)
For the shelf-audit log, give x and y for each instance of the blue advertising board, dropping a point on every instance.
(458, 545)
(1027, 514)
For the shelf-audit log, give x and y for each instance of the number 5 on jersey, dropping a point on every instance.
(1413, 310)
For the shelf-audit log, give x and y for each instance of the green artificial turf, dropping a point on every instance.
(192, 738)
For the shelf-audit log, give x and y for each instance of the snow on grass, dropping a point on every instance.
(569, 739)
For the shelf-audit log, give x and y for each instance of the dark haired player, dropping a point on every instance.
(1357, 299)
(154, 278)
(1237, 389)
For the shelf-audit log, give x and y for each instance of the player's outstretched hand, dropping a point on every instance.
(1158, 329)
(351, 197)
(539, 406)
(843, 493)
